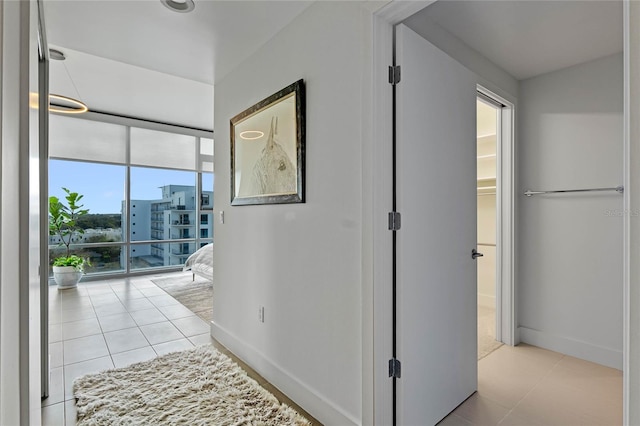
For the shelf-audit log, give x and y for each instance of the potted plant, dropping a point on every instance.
(63, 222)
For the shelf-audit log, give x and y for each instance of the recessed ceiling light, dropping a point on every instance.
(182, 6)
(56, 54)
(251, 135)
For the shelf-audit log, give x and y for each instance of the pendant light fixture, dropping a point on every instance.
(64, 104)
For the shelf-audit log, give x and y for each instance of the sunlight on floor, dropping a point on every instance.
(113, 323)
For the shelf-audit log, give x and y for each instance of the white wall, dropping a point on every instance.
(569, 258)
(302, 262)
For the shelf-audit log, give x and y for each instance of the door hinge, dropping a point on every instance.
(394, 221)
(394, 74)
(394, 368)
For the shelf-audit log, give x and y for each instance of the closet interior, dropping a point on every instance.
(487, 135)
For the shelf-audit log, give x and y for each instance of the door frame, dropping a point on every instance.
(380, 405)
(506, 324)
(631, 275)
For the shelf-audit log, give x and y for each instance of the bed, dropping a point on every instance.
(201, 262)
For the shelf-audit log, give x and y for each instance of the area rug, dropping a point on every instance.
(198, 386)
(196, 295)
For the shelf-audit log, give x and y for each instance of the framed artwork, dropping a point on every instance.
(267, 150)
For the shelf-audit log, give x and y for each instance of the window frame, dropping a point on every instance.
(127, 245)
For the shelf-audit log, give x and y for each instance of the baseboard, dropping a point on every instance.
(486, 301)
(303, 395)
(583, 350)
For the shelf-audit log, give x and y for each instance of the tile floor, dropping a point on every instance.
(114, 323)
(487, 342)
(526, 385)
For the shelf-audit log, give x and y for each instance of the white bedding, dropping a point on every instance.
(201, 262)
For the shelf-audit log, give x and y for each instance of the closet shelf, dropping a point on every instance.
(485, 157)
(485, 136)
(487, 179)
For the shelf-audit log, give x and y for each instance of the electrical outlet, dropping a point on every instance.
(221, 215)
(261, 314)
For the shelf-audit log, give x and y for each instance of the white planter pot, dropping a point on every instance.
(66, 276)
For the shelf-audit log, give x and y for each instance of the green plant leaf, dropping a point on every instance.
(73, 260)
(63, 218)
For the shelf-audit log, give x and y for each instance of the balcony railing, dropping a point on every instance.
(180, 236)
(181, 252)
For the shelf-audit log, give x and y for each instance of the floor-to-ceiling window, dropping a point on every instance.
(149, 191)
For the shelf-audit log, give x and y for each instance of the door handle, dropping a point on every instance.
(475, 253)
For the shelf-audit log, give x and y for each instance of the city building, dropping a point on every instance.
(173, 217)
(89, 235)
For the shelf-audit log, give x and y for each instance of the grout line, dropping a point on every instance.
(102, 332)
(147, 339)
(547, 374)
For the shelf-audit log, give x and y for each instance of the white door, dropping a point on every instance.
(436, 196)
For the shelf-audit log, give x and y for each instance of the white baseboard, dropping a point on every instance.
(486, 301)
(303, 395)
(583, 350)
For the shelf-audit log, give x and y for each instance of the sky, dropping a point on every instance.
(103, 185)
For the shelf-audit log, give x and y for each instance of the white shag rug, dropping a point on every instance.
(198, 386)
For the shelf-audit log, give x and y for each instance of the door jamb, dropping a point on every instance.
(506, 330)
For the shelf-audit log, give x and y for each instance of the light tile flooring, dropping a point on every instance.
(487, 342)
(526, 385)
(115, 323)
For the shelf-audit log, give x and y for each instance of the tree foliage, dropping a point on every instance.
(104, 221)
(105, 254)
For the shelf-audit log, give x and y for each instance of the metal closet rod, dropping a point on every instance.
(618, 189)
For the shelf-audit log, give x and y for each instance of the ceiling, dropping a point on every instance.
(140, 59)
(529, 38)
(203, 45)
(113, 87)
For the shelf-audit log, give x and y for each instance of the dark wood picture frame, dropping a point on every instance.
(268, 150)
